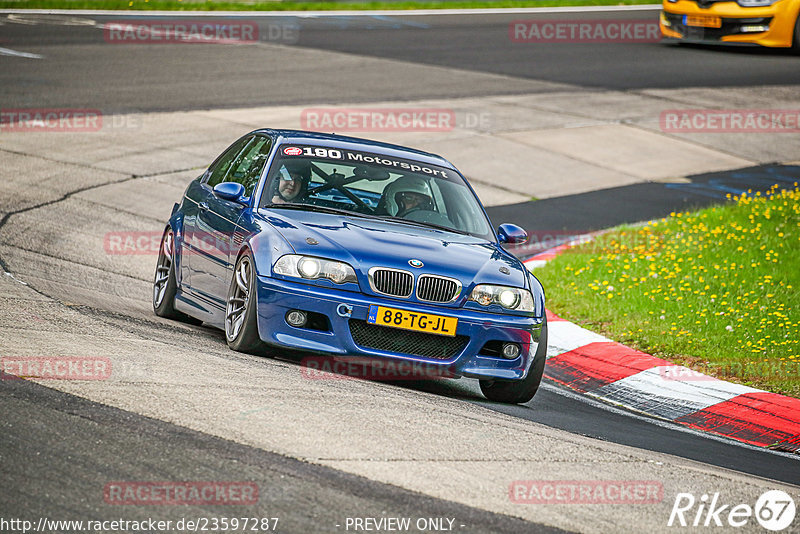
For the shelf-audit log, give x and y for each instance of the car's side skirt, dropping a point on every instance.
(199, 308)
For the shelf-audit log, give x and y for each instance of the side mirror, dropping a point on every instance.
(511, 233)
(229, 191)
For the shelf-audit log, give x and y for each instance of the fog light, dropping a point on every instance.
(754, 28)
(296, 318)
(510, 351)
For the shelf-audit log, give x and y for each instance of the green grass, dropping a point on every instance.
(297, 5)
(715, 290)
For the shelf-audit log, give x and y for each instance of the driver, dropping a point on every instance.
(292, 182)
(411, 194)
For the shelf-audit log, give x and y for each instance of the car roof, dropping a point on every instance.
(355, 143)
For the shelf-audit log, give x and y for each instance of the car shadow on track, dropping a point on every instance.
(445, 387)
(751, 50)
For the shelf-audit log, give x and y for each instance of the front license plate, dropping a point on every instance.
(406, 320)
(704, 21)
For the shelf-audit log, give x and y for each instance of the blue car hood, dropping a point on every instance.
(366, 243)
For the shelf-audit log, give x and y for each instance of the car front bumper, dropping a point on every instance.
(276, 298)
(767, 26)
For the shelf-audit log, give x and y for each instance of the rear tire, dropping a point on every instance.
(241, 315)
(164, 284)
(520, 391)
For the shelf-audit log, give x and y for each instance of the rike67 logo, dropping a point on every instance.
(774, 510)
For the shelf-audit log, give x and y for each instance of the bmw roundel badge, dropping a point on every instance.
(415, 263)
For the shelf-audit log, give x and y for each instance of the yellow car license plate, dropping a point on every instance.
(704, 21)
(406, 320)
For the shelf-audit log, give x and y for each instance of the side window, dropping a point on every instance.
(217, 172)
(247, 167)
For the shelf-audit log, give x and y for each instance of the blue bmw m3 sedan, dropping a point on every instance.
(339, 246)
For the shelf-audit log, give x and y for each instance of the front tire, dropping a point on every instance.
(241, 317)
(520, 391)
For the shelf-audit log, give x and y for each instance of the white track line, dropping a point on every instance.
(9, 52)
(20, 18)
(312, 14)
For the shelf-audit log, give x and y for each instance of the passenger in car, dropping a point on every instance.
(408, 194)
(410, 200)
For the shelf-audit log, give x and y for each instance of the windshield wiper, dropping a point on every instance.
(424, 225)
(314, 207)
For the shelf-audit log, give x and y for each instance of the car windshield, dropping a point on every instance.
(374, 185)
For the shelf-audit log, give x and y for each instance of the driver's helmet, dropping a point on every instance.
(407, 193)
(293, 169)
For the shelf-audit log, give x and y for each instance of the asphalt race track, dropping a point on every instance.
(184, 407)
(89, 73)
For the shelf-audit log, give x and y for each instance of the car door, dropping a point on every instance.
(217, 218)
(194, 241)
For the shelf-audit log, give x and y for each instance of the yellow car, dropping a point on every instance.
(764, 22)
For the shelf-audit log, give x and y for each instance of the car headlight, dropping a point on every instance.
(311, 268)
(755, 3)
(512, 298)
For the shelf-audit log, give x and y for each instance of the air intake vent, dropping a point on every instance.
(437, 288)
(419, 344)
(391, 282)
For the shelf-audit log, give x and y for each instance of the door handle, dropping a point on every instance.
(203, 206)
